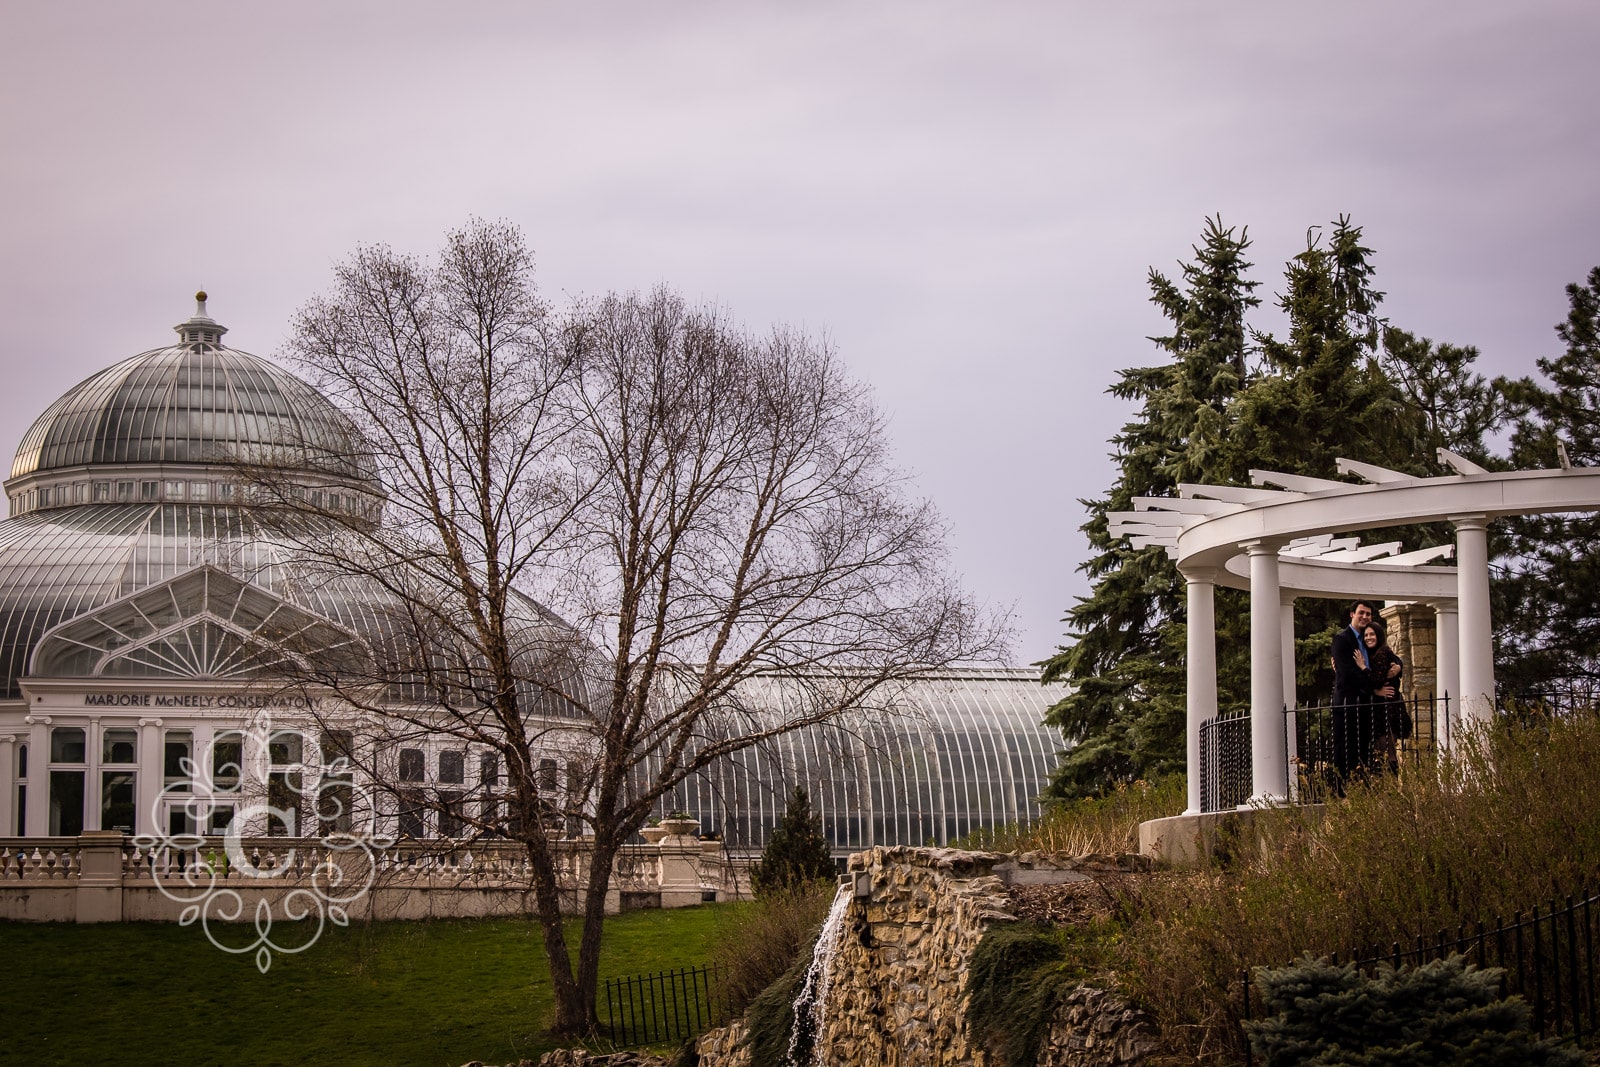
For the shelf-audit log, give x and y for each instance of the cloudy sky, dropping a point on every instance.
(964, 197)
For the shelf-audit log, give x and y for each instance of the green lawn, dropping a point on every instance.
(393, 994)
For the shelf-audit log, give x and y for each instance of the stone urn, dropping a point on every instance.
(680, 826)
(653, 834)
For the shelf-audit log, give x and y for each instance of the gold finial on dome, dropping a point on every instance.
(200, 329)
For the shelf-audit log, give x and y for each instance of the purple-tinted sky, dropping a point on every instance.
(964, 197)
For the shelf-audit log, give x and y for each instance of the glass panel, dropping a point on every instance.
(489, 769)
(179, 747)
(227, 761)
(410, 818)
(22, 761)
(411, 765)
(283, 794)
(66, 803)
(221, 816)
(285, 747)
(67, 745)
(22, 810)
(452, 767)
(116, 801)
(119, 746)
(451, 823)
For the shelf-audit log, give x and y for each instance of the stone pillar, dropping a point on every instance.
(1202, 667)
(1447, 632)
(1268, 747)
(38, 776)
(8, 784)
(100, 877)
(146, 819)
(1476, 647)
(680, 863)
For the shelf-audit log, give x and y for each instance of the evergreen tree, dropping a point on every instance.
(796, 853)
(1126, 711)
(1338, 383)
(1549, 593)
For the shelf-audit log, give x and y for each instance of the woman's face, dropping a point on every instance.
(1370, 636)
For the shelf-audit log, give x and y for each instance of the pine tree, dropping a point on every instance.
(1549, 594)
(1338, 383)
(1126, 710)
(796, 852)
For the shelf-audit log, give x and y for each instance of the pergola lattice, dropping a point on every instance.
(1280, 540)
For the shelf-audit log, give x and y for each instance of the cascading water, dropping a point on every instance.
(811, 1006)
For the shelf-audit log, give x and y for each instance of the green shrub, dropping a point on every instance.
(1442, 1013)
(796, 853)
(1015, 981)
(769, 1023)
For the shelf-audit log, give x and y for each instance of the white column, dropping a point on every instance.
(1447, 660)
(38, 775)
(1291, 726)
(1476, 647)
(147, 787)
(8, 784)
(1202, 683)
(1268, 743)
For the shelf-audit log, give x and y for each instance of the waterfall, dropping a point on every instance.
(811, 1006)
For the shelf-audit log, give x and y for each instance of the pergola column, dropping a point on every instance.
(1476, 648)
(8, 783)
(1447, 660)
(1269, 754)
(1202, 664)
(1291, 727)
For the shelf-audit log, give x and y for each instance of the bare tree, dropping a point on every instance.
(599, 525)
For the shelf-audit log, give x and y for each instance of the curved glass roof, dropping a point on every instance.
(65, 563)
(196, 402)
(959, 751)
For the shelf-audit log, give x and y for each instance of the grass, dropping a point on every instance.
(404, 994)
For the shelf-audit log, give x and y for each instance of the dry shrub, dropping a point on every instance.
(1107, 825)
(756, 942)
(1507, 821)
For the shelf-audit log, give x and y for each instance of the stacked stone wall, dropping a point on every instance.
(897, 996)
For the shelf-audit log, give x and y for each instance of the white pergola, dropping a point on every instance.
(1279, 539)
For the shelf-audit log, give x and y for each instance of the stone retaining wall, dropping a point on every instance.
(897, 996)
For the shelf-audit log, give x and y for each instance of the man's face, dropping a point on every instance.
(1361, 616)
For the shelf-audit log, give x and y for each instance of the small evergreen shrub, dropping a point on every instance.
(1442, 1013)
(796, 853)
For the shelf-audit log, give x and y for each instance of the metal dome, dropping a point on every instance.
(197, 402)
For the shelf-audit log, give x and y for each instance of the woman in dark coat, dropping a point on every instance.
(1392, 721)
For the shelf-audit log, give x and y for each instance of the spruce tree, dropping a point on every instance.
(1125, 664)
(1548, 607)
(1339, 382)
(797, 852)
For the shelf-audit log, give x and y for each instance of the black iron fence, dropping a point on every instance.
(1328, 745)
(1225, 773)
(665, 1007)
(1546, 956)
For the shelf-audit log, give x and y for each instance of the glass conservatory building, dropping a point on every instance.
(138, 593)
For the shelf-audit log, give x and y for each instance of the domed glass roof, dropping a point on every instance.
(195, 402)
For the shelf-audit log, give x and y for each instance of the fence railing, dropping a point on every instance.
(1225, 761)
(654, 1009)
(1332, 745)
(1547, 957)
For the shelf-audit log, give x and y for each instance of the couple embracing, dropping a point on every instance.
(1368, 713)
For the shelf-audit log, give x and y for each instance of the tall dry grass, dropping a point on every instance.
(757, 941)
(1510, 819)
(1106, 825)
